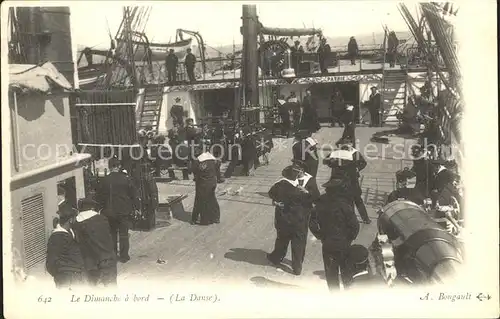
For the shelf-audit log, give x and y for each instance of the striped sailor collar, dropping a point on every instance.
(82, 216)
(60, 229)
(205, 157)
(311, 141)
(295, 182)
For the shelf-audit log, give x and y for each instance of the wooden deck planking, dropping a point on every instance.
(246, 231)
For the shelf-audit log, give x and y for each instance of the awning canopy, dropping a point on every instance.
(32, 78)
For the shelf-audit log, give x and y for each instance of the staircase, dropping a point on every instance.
(150, 109)
(394, 94)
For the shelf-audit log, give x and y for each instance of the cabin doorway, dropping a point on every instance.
(322, 93)
(219, 101)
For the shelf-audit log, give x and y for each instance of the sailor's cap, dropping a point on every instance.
(358, 254)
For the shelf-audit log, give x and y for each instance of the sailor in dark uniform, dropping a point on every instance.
(177, 112)
(442, 178)
(190, 62)
(422, 169)
(352, 169)
(305, 154)
(234, 150)
(309, 120)
(64, 258)
(117, 196)
(192, 133)
(163, 155)
(338, 228)
(403, 191)
(374, 106)
(94, 236)
(171, 62)
(205, 202)
(347, 118)
(293, 197)
(180, 149)
(218, 146)
(304, 149)
(284, 113)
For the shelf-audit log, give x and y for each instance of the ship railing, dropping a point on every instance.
(228, 69)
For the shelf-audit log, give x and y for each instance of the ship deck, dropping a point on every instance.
(234, 251)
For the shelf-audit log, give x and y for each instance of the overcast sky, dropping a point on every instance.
(219, 22)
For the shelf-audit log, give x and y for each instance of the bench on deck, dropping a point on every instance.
(173, 207)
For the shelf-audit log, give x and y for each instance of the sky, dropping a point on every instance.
(219, 22)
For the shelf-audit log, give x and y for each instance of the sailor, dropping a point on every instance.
(118, 198)
(403, 191)
(64, 258)
(190, 62)
(234, 150)
(392, 46)
(296, 51)
(451, 190)
(304, 149)
(442, 177)
(94, 236)
(347, 118)
(180, 150)
(293, 197)
(337, 107)
(163, 155)
(192, 133)
(205, 202)
(309, 120)
(171, 62)
(149, 196)
(284, 112)
(351, 168)
(177, 112)
(324, 52)
(352, 50)
(294, 106)
(374, 106)
(422, 169)
(218, 147)
(337, 229)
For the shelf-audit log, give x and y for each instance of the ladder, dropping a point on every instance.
(150, 109)
(394, 93)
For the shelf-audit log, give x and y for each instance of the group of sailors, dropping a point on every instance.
(434, 177)
(233, 142)
(343, 113)
(83, 247)
(299, 207)
(297, 116)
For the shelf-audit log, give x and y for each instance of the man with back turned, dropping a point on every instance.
(117, 196)
(337, 228)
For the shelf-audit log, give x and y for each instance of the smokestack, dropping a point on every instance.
(250, 30)
(55, 39)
